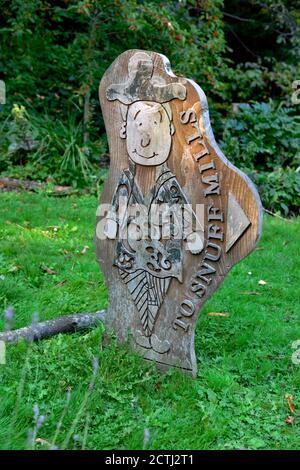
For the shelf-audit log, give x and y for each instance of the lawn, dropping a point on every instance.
(237, 401)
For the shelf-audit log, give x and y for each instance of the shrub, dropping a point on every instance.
(279, 190)
(263, 139)
(39, 147)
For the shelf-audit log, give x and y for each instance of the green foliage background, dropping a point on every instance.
(245, 56)
(54, 53)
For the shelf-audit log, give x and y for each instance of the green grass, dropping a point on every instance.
(245, 367)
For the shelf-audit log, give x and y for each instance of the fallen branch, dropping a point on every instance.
(65, 324)
(27, 185)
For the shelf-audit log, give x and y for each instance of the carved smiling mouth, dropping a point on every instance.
(143, 156)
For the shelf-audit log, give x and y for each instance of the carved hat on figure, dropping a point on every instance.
(141, 85)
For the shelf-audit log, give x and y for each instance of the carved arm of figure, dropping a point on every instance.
(116, 215)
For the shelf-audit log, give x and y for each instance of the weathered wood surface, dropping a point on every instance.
(48, 328)
(162, 147)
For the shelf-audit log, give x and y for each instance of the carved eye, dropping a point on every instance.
(155, 122)
(140, 124)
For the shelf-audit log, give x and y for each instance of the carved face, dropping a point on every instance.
(148, 133)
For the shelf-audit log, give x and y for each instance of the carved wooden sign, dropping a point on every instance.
(174, 216)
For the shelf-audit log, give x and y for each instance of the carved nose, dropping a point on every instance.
(145, 141)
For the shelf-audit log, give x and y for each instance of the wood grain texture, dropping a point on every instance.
(202, 176)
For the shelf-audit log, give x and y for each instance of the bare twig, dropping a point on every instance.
(242, 43)
(238, 17)
(278, 216)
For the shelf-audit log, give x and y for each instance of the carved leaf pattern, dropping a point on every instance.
(148, 293)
